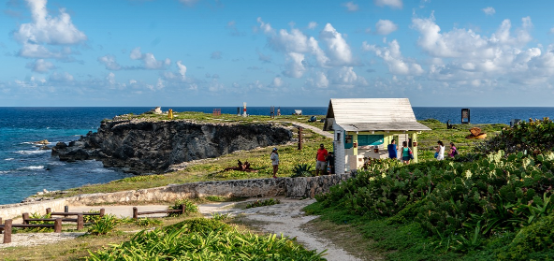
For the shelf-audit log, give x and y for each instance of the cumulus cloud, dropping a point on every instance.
(182, 69)
(312, 25)
(390, 3)
(318, 80)
(464, 57)
(385, 27)
(45, 29)
(277, 82)
(336, 45)
(149, 60)
(110, 62)
(393, 58)
(40, 66)
(63, 78)
(351, 6)
(345, 77)
(489, 10)
(264, 58)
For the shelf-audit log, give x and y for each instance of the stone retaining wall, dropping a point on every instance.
(288, 187)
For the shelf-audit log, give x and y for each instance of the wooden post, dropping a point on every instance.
(135, 213)
(25, 216)
(414, 149)
(102, 212)
(58, 225)
(48, 211)
(80, 222)
(183, 209)
(0, 221)
(8, 231)
(299, 138)
(66, 209)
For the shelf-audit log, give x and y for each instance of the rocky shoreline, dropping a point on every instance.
(151, 147)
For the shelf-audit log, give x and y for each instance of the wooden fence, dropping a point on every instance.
(136, 214)
(7, 227)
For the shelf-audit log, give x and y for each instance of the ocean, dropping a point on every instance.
(26, 170)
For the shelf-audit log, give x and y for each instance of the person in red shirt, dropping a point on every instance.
(321, 160)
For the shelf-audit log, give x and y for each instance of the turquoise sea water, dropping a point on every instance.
(25, 170)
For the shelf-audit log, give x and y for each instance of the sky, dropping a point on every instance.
(275, 53)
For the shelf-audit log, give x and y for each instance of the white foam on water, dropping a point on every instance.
(4, 172)
(40, 167)
(9, 159)
(31, 152)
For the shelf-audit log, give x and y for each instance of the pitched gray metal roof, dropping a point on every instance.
(392, 114)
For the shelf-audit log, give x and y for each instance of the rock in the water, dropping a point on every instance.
(41, 142)
(152, 147)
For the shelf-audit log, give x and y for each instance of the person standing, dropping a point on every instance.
(320, 158)
(453, 150)
(439, 150)
(331, 163)
(274, 162)
(392, 150)
(406, 152)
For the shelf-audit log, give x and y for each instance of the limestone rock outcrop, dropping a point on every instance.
(142, 147)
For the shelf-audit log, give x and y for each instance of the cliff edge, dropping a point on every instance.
(142, 147)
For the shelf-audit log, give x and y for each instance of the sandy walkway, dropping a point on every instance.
(286, 218)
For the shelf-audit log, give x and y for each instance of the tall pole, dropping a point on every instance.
(244, 111)
(299, 138)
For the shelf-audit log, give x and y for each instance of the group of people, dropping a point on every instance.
(325, 161)
(407, 154)
(439, 150)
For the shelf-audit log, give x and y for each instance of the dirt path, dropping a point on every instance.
(314, 129)
(286, 218)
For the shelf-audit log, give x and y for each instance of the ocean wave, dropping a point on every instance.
(39, 167)
(4, 172)
(9, 159)
(31, 152)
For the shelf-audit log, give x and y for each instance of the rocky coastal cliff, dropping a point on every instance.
(154, 146)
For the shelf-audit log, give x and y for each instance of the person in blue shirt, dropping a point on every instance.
(392, 150)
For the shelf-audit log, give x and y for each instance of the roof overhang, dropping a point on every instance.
(384, 126)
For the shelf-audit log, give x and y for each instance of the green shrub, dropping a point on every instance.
(104, 225)
(220, 216)
(190, 207)
(529, 240)
(301, 170)
(148, 222)
(185, 242)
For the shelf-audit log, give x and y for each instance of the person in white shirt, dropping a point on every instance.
(275, 162)
(440, 151)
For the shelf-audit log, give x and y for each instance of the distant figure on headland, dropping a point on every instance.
(406, 152)
(439, 154)
(453, 150)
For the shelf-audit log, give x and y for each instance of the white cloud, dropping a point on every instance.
(391, 3)
(40, 66)
(277, 82)
(45, 29)
(337, 47)
(489, 10)
(62, 78)
(149, 60)
(319, 80)
(295, 65)
(394, 60)
(345, 77)
(351, 7)
(182, 69)
(110, 62)
(552, 30)
(385, 27)
(312, 25)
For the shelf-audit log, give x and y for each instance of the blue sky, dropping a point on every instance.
(281, 53)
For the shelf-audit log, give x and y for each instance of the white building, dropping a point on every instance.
(364, 128)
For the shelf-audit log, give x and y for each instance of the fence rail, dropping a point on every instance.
(7, 227)
(136, 213)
